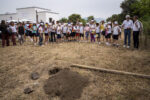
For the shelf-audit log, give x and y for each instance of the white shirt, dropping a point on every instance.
(77, 29)
(65, 29)
(116, 30)
(59, 29)
(109, 29)
(81, 29)
(50, 29)
(46, 30)
(136, 26)
(13, 28)
(69, 30)
(127, 24)
(40, 29)
(53, 28)
(97, 29)
(92, 28)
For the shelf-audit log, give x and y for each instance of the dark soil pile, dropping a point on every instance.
(66, 84)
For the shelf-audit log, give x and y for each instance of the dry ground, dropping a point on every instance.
(17, 63)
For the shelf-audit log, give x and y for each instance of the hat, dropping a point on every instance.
(127, 16)
(80, 23)
(115, 22)
(109, 22)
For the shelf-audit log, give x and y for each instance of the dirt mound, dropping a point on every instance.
(66, 84)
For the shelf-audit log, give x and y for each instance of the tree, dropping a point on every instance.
(83, 21)
(63, 20)
(74, 18)
(90, 18)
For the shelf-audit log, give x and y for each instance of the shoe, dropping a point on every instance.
(128, 47)
(124, 46)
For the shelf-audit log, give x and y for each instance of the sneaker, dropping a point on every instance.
(128, 47)
(124, 46)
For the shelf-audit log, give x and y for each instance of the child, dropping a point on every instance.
(64, 31)
(41, 34)
(98, 32)
(77, 32)
(108, 33)
(46, 34)
(102, 28)
(116, 31)
(13, 32)
(92, 31)
(69, 30)
(34, 32)
(21, 33)
(87, 31)
(81, 31)
(59, 30)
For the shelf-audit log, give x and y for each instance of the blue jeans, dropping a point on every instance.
(41, 39)
(127, 35)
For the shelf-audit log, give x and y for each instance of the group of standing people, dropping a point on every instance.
(43, 33)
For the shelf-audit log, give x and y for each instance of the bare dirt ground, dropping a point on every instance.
(17, 63)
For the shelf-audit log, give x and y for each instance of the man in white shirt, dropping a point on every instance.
(136, 31)
(127, 25)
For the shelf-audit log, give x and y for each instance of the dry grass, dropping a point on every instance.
(17, 63)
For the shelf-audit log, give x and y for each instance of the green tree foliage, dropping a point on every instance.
(132, 7)
(74, 18)
(83, 21)
(63, 20)
(90, 18)
(141, 8)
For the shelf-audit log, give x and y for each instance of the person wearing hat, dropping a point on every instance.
(108, 33)
(59, 31)
(127, 25)
(116, 31)
(69, 31)
(92, 30)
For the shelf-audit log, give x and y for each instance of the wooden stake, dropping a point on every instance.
(111, 71)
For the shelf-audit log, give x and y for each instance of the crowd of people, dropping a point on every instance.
(43, 33)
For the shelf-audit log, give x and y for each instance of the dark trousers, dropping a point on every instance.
(13, 37)
(136, 39)
(5, 40)
(127, 36)
(53, 37)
